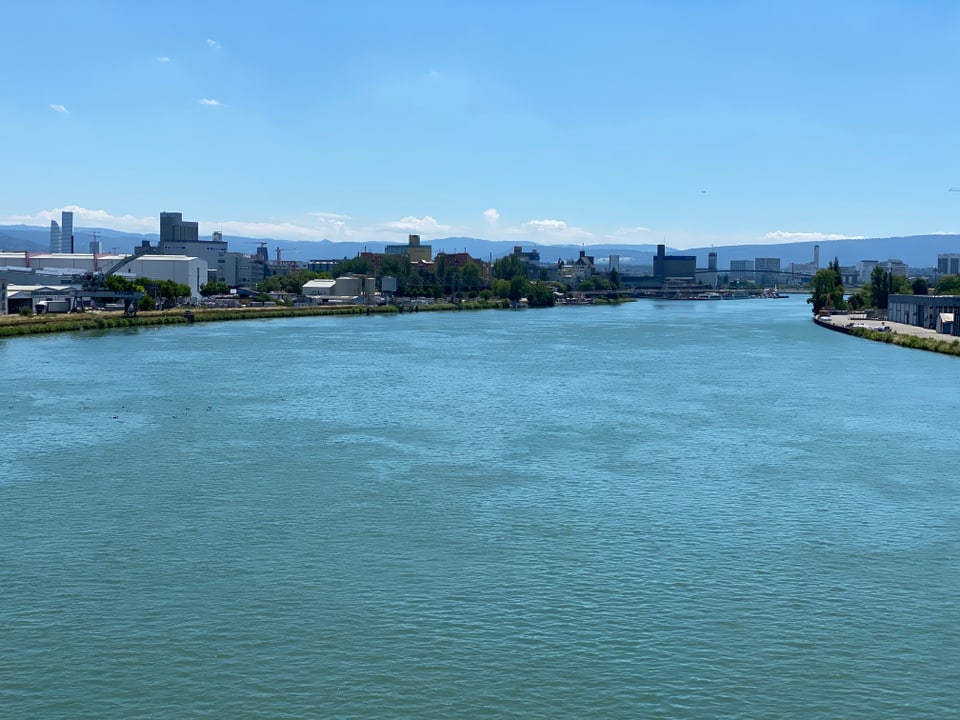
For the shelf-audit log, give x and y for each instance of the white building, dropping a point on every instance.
(41, 298)
(317, 288)
(865, 270)
(182, 269)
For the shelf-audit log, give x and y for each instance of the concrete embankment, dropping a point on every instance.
(908, 336)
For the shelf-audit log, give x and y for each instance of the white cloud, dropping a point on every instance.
(210, 101)
(213, 44)
(551, 231)
(945, 232)
(783, 236)
(163, 59)
(544, 225)
(330, 215)
(425, 225)
(59, 108)
(492, 215)
(630, 232)
(333, 230)
(83, 217)
(315, 226)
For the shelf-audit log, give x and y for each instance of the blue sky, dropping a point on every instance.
(690, 123)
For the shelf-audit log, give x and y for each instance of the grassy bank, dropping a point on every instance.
(16, 325)
(947, 347)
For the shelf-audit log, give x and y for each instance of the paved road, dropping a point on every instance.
(859, 320)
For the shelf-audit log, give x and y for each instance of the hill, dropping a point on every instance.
(915, 250)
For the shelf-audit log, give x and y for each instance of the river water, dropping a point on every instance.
(655, 510)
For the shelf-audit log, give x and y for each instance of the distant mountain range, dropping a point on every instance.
(916, 250)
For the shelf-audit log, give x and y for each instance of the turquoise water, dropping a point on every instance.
(657, 510)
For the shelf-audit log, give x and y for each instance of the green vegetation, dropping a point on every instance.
(292, 283)
(89, 321)
(214, 287)
(947, 347)
(948, 285)
(827, 289)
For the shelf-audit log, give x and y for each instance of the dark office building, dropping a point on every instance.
(174, 230)
(674, 266)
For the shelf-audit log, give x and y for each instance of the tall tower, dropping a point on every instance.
(816, 257)
(54, 236)
(66, 232)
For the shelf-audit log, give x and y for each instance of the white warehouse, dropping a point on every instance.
(190, 271)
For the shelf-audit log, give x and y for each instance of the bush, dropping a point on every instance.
(26, 311)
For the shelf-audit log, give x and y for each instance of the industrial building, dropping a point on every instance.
(674, 266)
(190, 271)
(927, 311)
(413, 250)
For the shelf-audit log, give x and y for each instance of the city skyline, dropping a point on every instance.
(689, 124)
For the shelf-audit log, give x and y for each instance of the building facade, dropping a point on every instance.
(174, 230)
(925, 311)
(61, 236)
(413, 250)
(767, 271)
(190, 271)
(673, 266)
(741, 271)
(948, 263)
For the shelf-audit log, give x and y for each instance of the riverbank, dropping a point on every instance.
(908, 336)
(18, 325)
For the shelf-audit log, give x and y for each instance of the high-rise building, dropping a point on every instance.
(741, 270)
(183, 238)
(54, 236)
(948, 263)
(767, 271)
(174, 230)
(61, 236)
(66, 232)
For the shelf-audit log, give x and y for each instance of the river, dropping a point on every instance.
(653, 510)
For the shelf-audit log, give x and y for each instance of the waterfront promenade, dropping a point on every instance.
(859, 320)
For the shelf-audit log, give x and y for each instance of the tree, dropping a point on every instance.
(118, 283)
(900, 285)
(471, 276)
(214, 287)
(880, 287)
(827, 288)
(518, 288)
(356, 266)
(948, 285)
(540, 295)
(509, 267)
(920, 286)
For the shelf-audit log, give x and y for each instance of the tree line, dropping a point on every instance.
(442, 279)
(828, 292)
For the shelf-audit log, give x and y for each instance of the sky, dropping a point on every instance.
(687, 123)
